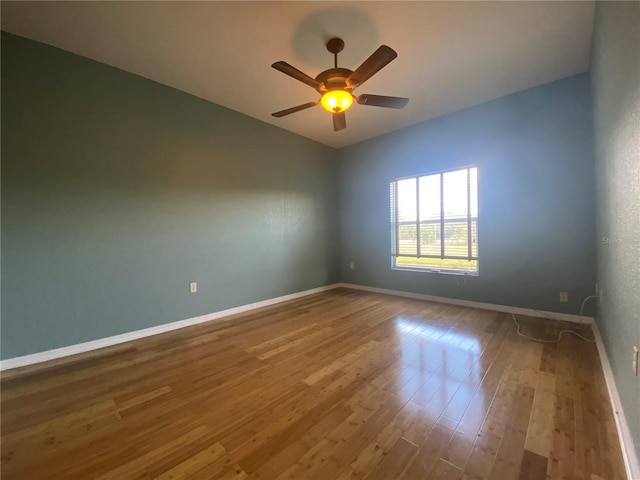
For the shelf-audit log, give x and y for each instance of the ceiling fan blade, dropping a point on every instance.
(382, 101)
(381, 57)
(288, 111)
(287, 69)
(339, 121)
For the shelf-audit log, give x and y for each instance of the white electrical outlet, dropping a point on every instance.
(635, 361)
(352, 265)
(193, 287)
(564, 297)
(600, 295)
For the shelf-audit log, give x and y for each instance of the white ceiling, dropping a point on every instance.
(451, 55)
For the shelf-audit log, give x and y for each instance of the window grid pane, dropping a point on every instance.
(430, 198)
(429, 238)
(407, 239)
(456, 239)
(407, 200)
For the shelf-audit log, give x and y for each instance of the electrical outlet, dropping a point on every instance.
(564, 297)
(352, 265)
(635, 361)
(600, 295)
(193, 287)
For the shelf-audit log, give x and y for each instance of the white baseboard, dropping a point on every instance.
(484, 306)
(631, 464)
(167, 327)
(147, 332)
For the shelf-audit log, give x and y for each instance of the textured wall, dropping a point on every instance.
(117, 192)
(616, 91)
(536, 223)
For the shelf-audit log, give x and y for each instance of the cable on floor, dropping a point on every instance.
(570, 330)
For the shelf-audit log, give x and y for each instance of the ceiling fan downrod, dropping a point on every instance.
(335, 46)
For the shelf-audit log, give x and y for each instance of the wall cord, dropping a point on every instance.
(569, 330)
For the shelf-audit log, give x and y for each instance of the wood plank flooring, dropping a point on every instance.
(339, 385)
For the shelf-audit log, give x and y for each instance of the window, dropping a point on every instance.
(434, 222)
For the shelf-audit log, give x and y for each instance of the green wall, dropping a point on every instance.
(616, 92)
(118, 191)
(536, 225)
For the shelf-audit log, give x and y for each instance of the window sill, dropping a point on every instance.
(434, 270)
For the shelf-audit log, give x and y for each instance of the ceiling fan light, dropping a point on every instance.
(336, 101)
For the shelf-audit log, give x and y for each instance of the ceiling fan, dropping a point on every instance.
(337, 84)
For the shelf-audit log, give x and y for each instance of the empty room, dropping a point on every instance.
(320, 240)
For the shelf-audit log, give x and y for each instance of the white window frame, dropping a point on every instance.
(472, 241)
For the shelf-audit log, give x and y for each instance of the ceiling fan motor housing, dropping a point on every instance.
(334, 79)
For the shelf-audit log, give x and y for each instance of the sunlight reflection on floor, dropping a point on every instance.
(441, 366)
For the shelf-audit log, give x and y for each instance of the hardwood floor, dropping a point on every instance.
(339, 385)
